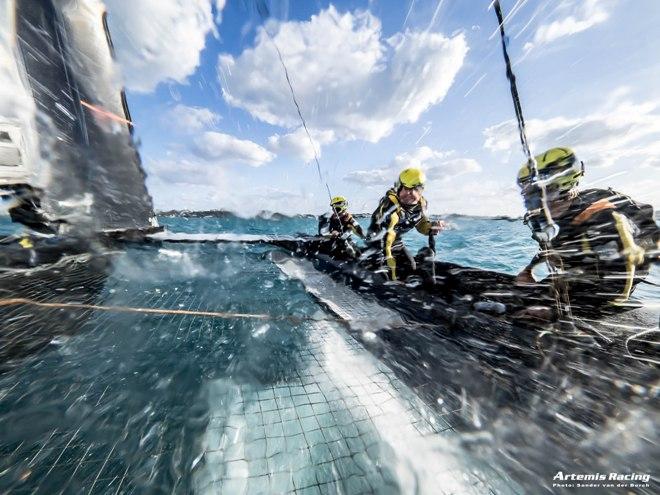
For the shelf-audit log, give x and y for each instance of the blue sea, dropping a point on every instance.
(500, 244)
(190, 368)
(493, 244)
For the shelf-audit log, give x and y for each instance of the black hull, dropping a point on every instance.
(455, 298)
(494, 373)
(445, 315)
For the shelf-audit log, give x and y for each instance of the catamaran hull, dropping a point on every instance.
(448, 310)
(496, 374)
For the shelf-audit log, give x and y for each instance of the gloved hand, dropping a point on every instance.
(438, 227)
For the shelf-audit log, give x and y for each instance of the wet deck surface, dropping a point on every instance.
(129, 402)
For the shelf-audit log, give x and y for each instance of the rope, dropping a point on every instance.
(106, 113)
(297, 105)
(187, 312)
(262, 8)
(264, 13)
(514, 90)
(562, 301)
(127, 309)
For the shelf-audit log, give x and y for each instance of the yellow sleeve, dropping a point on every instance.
(424, 225)
(390, 236)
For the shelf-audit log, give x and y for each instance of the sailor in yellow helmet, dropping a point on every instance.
(600, 242)
(339, 221)
(401, 209)
(337, 226)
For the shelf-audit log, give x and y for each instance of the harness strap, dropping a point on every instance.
(395, 201)
(633, 253)
(389, 241)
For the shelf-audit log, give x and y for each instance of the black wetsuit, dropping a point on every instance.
(602, 249)
(388, 223)
(340, 245)
(330, 222)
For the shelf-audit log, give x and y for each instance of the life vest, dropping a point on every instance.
(408, 216)
(330, 222)
(608, 241)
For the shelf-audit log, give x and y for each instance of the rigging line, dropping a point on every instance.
(157, 311)
(304, 123)
(561, 291)
(128, 309)
(262, 8)
(17, 301)
(514, 88)
(295, 102)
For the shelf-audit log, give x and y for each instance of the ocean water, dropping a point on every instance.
(499, 244)
(205, 369)
(493, 244)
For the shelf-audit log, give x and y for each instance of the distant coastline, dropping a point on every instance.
(269, 215)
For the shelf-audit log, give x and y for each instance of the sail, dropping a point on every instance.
(18, 146)
(87, 173)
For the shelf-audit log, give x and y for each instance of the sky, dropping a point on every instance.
(382, 85)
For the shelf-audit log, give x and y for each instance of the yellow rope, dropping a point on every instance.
(128, 309)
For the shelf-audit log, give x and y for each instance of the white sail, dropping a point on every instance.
(73, 146)
(18, 140)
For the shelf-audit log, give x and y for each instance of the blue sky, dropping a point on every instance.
(384, 84)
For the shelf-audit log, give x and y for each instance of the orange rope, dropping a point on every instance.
(127, 309)
(187, 312)
(105, 113)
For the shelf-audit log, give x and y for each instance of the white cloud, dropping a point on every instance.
(190, 119)
(159, 40)
(176, 181)
(585, 15)
(298, 145)
(289, 201)
(419, 157)
(483, 197)
(348, 79)
(621, 131)
(438, 165)
(225, 149)
(452, 168)
(185, 171)
(186, 182)
(373, 177)
(619, 144)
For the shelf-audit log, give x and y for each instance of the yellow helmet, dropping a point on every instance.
(339, 203)
(558, 168)
(411, 178)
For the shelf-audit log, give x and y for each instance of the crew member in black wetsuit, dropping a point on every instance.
(337, 226)
(599, 243)
(401, 209)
